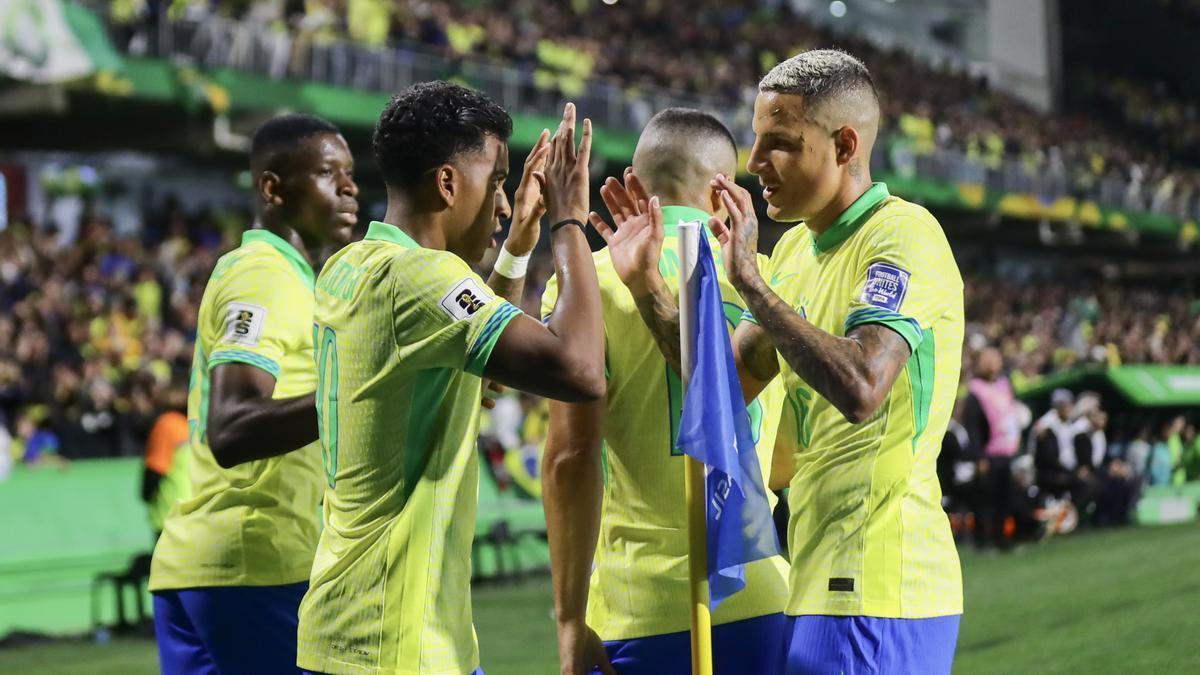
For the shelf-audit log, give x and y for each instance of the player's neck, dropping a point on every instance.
(424, 228)
(291, 236)
(849, 192)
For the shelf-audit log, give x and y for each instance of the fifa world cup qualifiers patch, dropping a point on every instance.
(243, 323)
(466, 298)
(886, 286)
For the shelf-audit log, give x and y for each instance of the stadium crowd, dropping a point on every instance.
(954, 124)
(94, 333)
(1045, 326)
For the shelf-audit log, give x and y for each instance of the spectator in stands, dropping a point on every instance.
(992, 419)
(1026, 502)
(1115, 483)
(1059, 470)
(36, 443)
(1165, 466)
(1191, 452)
(956, 466)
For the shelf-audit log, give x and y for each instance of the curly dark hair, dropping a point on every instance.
(429, 124)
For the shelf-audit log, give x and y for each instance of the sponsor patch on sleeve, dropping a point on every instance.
(886, 286)
(243, 323)
(466, 298)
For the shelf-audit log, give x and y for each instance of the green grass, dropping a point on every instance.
(1110, 602)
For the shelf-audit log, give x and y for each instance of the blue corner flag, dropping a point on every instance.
(715, 429)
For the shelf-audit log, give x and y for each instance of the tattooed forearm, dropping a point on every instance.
(660, 313)
(758, 355)
(853, 373)
(509, 289)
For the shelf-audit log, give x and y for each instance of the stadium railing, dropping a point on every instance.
(218, 42)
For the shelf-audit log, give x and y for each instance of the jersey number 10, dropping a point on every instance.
(325, 345)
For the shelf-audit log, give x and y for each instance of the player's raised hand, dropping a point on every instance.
(637, 240)
(564, 181)
(739, 238)
(528, 204)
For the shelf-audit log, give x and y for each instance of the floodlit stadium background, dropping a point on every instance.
(1057, 141)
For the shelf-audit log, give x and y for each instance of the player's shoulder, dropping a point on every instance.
(796, 238)
(902, 218)
(253, 266)
(418, 265)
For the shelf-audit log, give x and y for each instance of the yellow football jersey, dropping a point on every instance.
(402, 335)
(639, 586)
(257, 523)
(867, 534)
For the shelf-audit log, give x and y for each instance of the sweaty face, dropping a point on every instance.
(794, 158)
(480, 204)
(318, 189)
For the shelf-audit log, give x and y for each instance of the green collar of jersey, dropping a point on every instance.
(285, 249)
(851, 219)
(381, 231)
(673, 214)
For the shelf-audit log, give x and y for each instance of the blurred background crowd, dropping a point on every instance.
(953, 125)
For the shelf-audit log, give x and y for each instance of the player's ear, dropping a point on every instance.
(269, 185)
(845, 143)
(716, 205)
(446, 179)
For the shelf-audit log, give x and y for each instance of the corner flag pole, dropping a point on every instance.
(688, 249)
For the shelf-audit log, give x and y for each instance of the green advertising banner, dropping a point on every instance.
(1149, 386)
(1158, 385)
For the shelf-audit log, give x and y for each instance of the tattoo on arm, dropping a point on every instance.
(660, 313)
(853, 373)
(758, 355)
(509, 289)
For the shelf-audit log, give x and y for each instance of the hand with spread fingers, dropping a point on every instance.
(637, 240)
(739, 238)
(528, 203)
(564, 181)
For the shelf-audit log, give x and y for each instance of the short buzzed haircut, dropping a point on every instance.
(431, 123)
(820, 75)
(681, 149)
(282, 133)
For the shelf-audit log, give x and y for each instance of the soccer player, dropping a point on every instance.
(405, 330)
(861, 311)
(233, 561)
(630, 493)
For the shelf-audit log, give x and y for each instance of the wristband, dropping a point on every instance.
(569, 221)
(511, 266)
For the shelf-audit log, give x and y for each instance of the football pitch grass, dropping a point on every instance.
(1107, 602)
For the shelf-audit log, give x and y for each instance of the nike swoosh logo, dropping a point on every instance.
(775, 279)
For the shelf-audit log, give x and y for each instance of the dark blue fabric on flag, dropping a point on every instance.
(714, 428)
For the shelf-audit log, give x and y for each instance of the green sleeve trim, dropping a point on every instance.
(747, 316)
(243, 356)
(481, 350)
(907, 327)
(920, 368)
